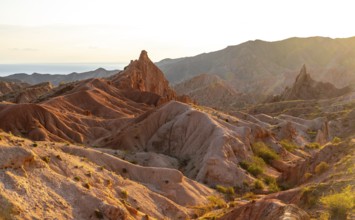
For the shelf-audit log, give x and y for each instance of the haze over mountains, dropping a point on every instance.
(56, 79)
(131, 146)
(268, 67)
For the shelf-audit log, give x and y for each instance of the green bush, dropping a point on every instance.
(225, 190)
(307, 176)
(258, 184)
(46, 159)
(313, 145)
(264, 151)
(336, 140)
(255, 167)
(289, 146)
(272, 184)
(340, 203)
(321, 167)
(124, 194)
(87, 185)
(217, 201)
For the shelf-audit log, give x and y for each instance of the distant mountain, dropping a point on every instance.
(268, 67)
(56, 79)
(210, 90)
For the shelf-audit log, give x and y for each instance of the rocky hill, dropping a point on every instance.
(268, 67)
(8, 86)
(56, 79)
(210, 90)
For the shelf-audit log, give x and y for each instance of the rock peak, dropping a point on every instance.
(303, 75)
(143, 55)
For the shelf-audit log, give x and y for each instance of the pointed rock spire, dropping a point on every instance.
(303, 75)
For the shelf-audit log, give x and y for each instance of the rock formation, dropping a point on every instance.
(305, 88)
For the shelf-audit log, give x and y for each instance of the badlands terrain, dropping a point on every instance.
(130, 146)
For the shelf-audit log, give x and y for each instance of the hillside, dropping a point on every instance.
(129, 147)
(267, 68)
(210, 90)
(56, 79)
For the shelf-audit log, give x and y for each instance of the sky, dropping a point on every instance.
(109, 31)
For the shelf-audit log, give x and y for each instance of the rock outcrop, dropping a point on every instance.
(306, 88)
(144, 76)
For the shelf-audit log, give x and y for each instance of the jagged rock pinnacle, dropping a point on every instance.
(143, 55)
(303, 74)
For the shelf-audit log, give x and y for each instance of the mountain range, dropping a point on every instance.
(266, 68)
(56, 79)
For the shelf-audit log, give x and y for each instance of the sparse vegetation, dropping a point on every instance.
(309, 198)
(87, 185)
(307, 176)
(217, 201)
(312, 133)
(99, 214)
(289, 146)
(272, 184)
(264, 151)
(321, 167)
(313, 145)
(336, 140)
(248, 196)
(258, 184)
(46, 159)
(255, 167)
(225, 190)
(124, 194)
(340, 203)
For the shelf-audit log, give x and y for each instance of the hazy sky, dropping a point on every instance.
(62, 31)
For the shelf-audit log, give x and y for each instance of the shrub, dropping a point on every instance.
(217, 201)
(46, 159)
(87, 185)
(271, 182)
(124, 194)
(249, 195)
(263, 151)
(307, 176)
(34, 145)
(258, 184)
(59, 157)
(225, 190)
(98, 214)
(321, 167)
(76, 178)
(336, 140)
(256, 167)
(309, 198)
(340, 203)
(289, 146)
(313, 145)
